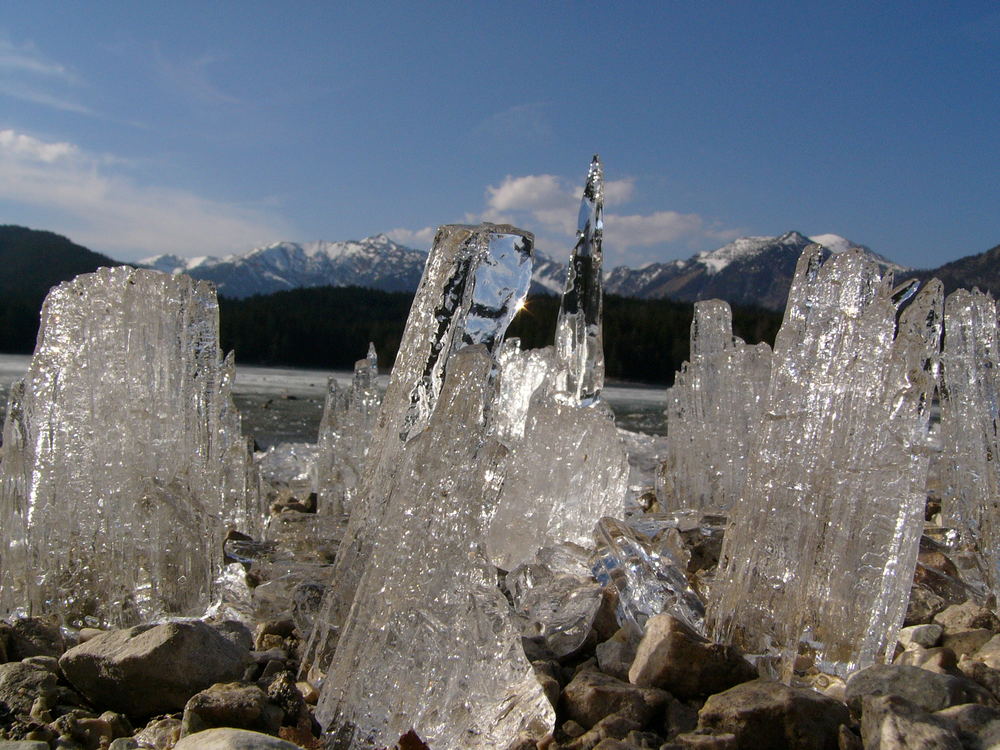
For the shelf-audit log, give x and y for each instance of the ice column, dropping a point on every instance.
(970, 420)
(124, 459)
(522, 374)
(429, 643)
(474, 281)
(578, 343)
(820, 550)
(713, 408)
(345, 433)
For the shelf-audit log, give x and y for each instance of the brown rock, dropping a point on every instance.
(938, 659)
(966, 616)
(982, 674)
(928, 690)
(233, 704)
(922, 606)
(966, 640)
(591, 696)
(989, 653)
(615, 655)
(615, 726)
(767, 714)
(673, 657)
(694, 741)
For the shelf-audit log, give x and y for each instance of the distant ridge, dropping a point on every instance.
(982, 271)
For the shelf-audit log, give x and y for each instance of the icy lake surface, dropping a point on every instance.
(283, 404)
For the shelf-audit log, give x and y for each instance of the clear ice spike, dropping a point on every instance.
(474, 282)
(430, 643)
(578, 340)
(713, 408)
(970, 420)
(124, 460)
(821, 545)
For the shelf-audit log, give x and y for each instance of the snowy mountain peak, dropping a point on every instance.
(834, 242)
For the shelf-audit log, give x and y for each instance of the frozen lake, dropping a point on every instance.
(281, 404)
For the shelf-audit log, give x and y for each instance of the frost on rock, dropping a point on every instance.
(970, 420)
(430, 643)
(713, 409)
(345, 434)
(124, 459)
(473, 284)
(578, 341)
(648, 571)
(820, 550)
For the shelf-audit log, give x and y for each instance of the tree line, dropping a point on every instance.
(645, 341)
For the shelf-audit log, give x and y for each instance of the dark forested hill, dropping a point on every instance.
(330, 327)
(982, 270)
(32, 261)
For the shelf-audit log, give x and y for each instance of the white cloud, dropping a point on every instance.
(651, 229)
(89, 199)
(530, 193)
(418, 238)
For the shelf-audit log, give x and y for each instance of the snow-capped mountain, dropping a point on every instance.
(376, 262)
(747, 271)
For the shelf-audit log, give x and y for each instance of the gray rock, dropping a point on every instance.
(928, 690)
(50, 663)
(615, 655)
(35, 636)
(615, 726)
(24, 745)
(232, 739)
(673, 657)
(124, 743)
(160, 734)
(591, 696)
(235, 631)
(976, 726)
(152, 669)
(989, 653)
(926, 636)
(21, 684)
(694, 741)
(764, 714)
(233, 704)
(966, 616)
(982, 674)
(889, 722)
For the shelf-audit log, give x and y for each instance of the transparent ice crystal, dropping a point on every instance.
(473, 284)
(713, 408)
(820, 549)
(578, 341)
(970, 421)
(345, 434)
(124, 463)
(429, 642)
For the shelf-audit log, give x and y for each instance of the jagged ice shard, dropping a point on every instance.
(578, 341)
(430, 643)
(713, 408)
(820, 549)
(124, 462)
(970, 420)
(473, 284)
(345, 433)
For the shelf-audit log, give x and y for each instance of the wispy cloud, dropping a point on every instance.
(29, 75)
(91, 198)
(192, 79)
(547, 205)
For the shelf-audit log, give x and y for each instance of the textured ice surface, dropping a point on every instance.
(345, 434)
(820, 549)
(429, 642)
(556, 598)
(522, 374)
(568, 471)
(124, 462)
(578, 341)
(474, 281)
(970, 420)
(648, 570)
(713, 408)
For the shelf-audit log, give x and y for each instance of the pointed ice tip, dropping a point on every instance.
(595, 181)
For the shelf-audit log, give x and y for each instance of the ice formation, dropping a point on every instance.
(820, 550)
(648, 571)
(522, 374)
(474, 282)
(578, 342)
(124, 462)
(345, 433)
(429, 643)
(970, 420)
(713, 408)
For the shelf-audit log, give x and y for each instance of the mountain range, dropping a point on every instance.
(748, 271)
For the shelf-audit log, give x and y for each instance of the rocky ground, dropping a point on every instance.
(216, 684)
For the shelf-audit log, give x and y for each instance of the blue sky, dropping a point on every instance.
(210, 128)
